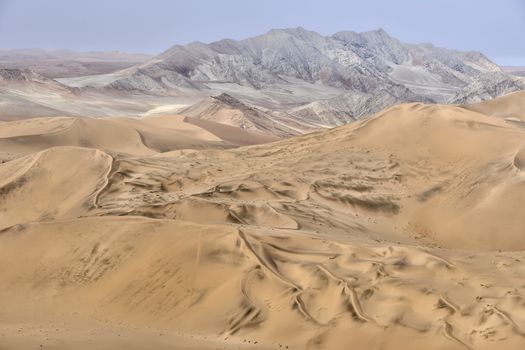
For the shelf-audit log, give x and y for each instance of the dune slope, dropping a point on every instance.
(120, 135)
(511, 106)
(403, 230)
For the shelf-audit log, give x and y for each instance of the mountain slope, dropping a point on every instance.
(27, 94)
(349, 107)
(285, 82)
(24, 94)
(350, 61)
(322, 80)
(226, 109)
(488, 89)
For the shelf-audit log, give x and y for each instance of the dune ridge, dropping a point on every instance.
(140, 137)
(403, 230)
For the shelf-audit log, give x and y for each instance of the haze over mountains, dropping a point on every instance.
(298, 78)
(65, 63)
(520, 71)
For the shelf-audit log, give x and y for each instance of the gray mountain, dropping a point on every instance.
(8, 75)
(350, 106)
(347, 60)
(325, 80)
(489, 88)
(27, 94)
(226, 109)
(23, 93)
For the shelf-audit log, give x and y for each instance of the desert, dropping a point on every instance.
(404, 224)
(278, 175)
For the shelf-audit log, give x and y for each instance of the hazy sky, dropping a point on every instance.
(495, 27)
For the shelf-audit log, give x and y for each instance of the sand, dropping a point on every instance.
(511, 106)
(129, 136)
(400, 231)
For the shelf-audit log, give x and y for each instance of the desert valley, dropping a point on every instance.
(286, 191)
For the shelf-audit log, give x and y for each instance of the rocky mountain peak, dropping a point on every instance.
(285, 69)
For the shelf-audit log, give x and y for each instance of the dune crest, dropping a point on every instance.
(405, 225)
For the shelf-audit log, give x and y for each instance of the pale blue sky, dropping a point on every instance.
(495, 27)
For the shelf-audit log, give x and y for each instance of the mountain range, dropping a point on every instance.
(301, 78)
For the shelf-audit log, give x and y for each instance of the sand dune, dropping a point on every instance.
(32, 189)
(131, 136)
(511, 106)
(122, 135)
(401, 231)
(226, 110)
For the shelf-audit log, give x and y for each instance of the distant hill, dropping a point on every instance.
(66, 63)
(519, 71)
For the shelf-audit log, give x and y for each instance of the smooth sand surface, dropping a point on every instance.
(131, 136)
(123, 135)
(511, 106)
(400, 231)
